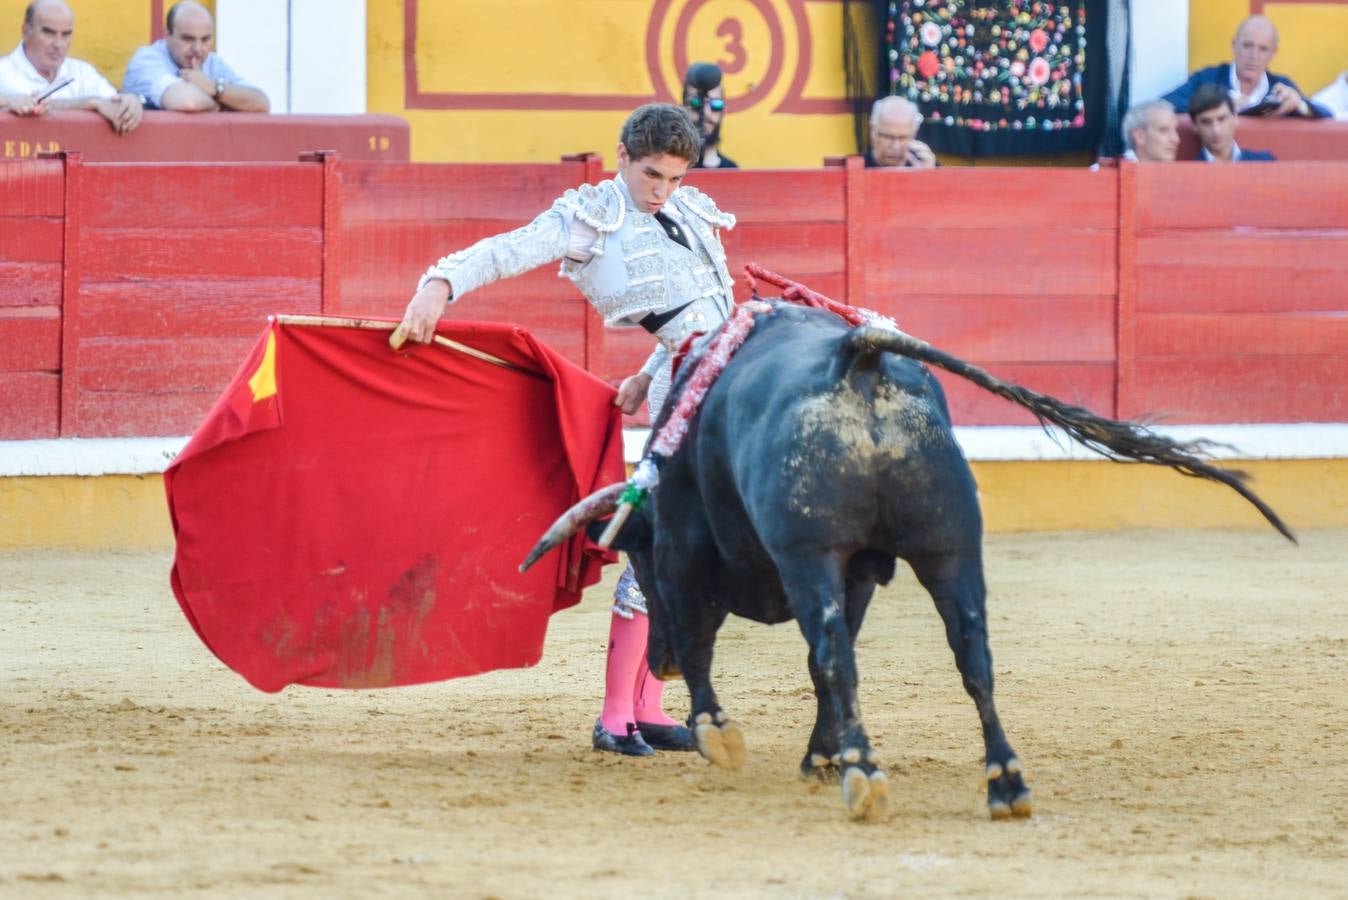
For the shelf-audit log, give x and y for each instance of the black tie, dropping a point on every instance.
(672, 229)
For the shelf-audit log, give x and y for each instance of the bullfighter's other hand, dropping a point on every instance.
(632, 392)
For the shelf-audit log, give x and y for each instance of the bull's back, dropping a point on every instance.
(823, 455)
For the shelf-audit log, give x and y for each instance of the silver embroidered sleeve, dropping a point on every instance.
(543, 240)
(656, 361)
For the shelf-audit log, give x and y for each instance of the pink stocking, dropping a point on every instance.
(626, 655)
(649, 693)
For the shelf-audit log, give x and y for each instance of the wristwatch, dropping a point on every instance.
(219, 88)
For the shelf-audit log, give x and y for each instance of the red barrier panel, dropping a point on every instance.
(1014, 270)
(1238, 311)
(174, 270)
(1195, 293)
(1289, 139)
(32, 199)
(206, 137)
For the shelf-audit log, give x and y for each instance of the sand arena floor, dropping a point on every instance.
(1178, 699)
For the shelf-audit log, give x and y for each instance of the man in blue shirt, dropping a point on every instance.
(1254, 89)
(180, 72)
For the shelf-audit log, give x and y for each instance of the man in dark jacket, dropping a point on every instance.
(1214, 117)
(1254, 89)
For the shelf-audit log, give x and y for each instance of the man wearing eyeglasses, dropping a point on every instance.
(894, 143)
(704, 98)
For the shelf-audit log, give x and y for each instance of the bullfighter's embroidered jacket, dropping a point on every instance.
(617, 256)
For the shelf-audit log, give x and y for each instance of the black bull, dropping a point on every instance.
(817, 458)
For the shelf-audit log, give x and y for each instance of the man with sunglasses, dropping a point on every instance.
(704, 98)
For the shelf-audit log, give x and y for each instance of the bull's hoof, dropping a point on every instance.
(818, 767)
(1007, 794)
(722, 745)
(866, 796)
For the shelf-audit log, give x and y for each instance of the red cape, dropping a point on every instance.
(348, 516)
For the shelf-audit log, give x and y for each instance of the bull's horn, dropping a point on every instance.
(600, 503)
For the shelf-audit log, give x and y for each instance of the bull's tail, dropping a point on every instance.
(1110, 438)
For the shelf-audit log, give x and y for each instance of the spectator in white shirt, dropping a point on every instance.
(41, 60)
(1334, 96)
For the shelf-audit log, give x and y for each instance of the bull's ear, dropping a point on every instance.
(635, 533)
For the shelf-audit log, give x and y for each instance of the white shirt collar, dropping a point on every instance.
(1235, 153)
(1242, 102)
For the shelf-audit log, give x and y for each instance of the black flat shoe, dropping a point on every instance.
(631, 745)
(667, 737)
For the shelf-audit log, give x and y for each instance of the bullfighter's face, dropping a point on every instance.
(651, 179)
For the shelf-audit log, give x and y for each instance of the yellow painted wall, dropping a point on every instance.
(107, 32)
(124, 511)
(589, 47)
(1313, 37)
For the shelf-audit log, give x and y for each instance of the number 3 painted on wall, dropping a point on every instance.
(733, 32)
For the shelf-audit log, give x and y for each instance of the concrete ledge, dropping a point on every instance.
(146, 456)
(129, 511)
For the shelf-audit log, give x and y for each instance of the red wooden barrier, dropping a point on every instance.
(1014, 270)
(172, 272)
(128, 293)
(1239, 313)
(206, 137)
(1289, 139)
(31, 241)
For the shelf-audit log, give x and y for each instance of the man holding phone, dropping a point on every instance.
(894, 143)
(1255, 91)
(40, 75)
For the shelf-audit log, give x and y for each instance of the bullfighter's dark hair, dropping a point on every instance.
(661, 128)
(1207, 97)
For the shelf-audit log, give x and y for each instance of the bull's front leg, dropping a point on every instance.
(955, 582)
(690, 625)
(814, 588)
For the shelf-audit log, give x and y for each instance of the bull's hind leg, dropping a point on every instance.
(814, 588)
(955, 582)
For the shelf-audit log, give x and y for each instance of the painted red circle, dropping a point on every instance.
(681, 28)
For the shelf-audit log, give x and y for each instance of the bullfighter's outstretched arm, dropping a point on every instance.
(552, 235)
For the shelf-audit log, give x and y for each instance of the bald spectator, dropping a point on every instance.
(42, 60)
(894, 143)
(180, 72)
(1254, 89)
(1151, 132)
